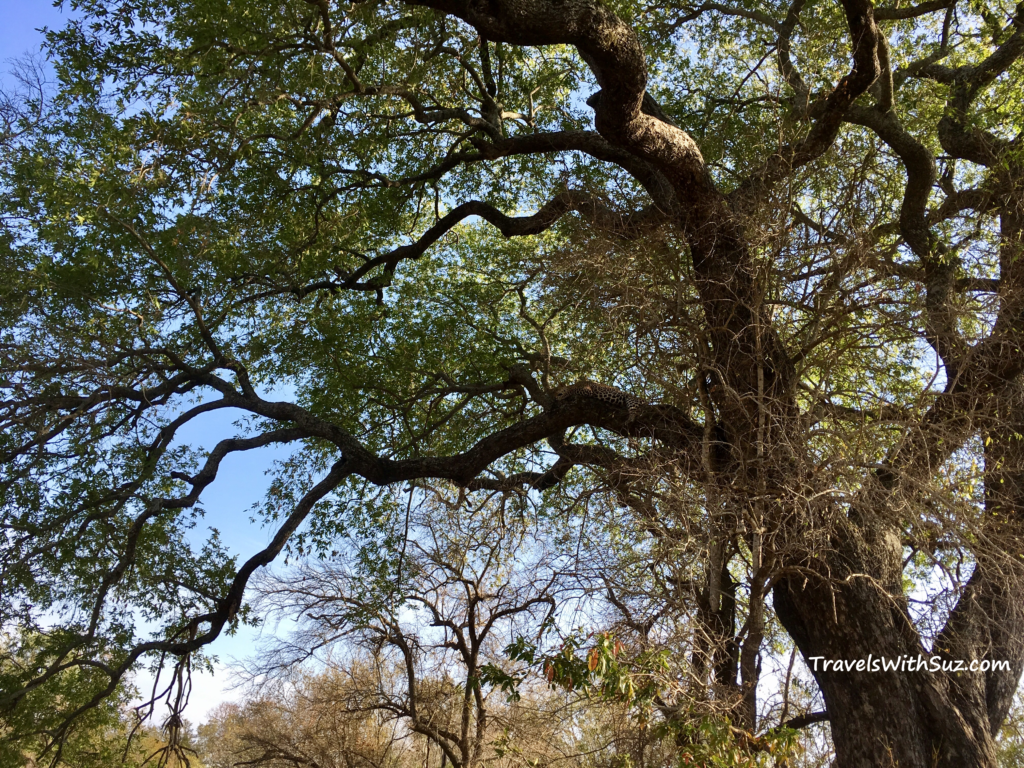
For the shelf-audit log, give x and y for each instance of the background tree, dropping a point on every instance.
(420, 648)
(305, 724)
(784, 237)
(96, 739)
(408, 669)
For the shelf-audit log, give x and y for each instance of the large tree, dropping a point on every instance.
(749, 273)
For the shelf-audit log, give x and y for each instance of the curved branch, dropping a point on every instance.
(955, 134)
(225, 612)
(613, 53)
(938, 262)
(625, 225)
(588, 142)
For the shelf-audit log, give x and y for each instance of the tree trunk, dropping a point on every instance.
(855, 607)
(910, 719)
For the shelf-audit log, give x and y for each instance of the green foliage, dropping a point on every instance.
(593, 664)
(217, 212)
(715, 743)
(1011, 737)
(96, 739)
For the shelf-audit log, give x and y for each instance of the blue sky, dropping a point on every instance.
(21, 20)
(242, 478)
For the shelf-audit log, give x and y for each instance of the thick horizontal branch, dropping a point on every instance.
(587, 142)
(538, 481)
(913, 11)
(660, 423)
(802, 721)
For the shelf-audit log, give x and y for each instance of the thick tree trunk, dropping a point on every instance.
(910, 719)
(855, 608)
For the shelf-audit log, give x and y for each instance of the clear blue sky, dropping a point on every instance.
(243, 481)
(20, 21)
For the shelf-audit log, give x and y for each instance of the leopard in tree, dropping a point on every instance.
(612, 396)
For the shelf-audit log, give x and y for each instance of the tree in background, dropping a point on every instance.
(312, 722)
(306, 724)
(742, 280)
(420, 646)
(95, 740)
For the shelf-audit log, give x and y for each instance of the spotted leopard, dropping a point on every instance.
(612, 396)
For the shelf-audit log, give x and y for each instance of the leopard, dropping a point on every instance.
(612, 396)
